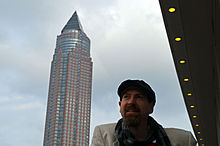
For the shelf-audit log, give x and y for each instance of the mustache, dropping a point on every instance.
(132, 107)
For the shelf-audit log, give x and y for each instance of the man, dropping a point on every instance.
(137, 128)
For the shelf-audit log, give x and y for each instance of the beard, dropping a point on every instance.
(132, 120)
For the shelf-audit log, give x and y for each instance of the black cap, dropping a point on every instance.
(140, 84)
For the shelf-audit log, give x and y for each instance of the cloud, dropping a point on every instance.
(4, 100)
(25, 106)
(22, 118)
(19, 103)
(25, 127)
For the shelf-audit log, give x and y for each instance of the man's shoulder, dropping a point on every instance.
(106, 127)
(103, 135)
(176, 131)
(109, 125)
(177, 136)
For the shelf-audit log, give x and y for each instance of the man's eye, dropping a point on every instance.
(125, 97)
(140, 96)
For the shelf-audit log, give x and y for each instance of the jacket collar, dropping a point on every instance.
(115, 141)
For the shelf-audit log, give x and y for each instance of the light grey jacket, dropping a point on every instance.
(104, 136)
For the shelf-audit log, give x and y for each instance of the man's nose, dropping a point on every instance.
(132, 99)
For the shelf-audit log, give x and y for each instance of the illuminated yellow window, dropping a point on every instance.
(185, 80)
(192, 106)
(197, 125)
(203, 145)
(172, 10)
(200, 139)
(194, 117)
(189, 94)
(182, 61)
(178, 39)
(198, 132)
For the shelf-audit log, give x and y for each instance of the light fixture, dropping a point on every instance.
(182, 61)
(185, 80)
(194, 117)
(192, 106)
(189, 94)
(198, 132)
(178, 39)
(172, 10)
(197, 125)
(200, 139)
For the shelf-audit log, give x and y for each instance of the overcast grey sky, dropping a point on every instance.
(128, 40)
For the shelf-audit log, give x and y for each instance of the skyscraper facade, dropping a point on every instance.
(69, 97)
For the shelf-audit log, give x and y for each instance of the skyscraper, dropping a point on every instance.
(69, 97)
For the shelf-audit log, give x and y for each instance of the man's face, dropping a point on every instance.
(135, 107)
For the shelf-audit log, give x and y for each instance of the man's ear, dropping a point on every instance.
(119, 103)
(152, 107)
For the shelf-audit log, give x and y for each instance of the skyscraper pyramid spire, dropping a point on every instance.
(73, 23)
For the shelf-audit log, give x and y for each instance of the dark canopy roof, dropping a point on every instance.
(193, 29)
